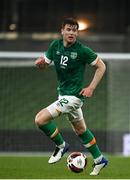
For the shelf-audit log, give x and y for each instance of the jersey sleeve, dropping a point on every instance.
(48, 55)
(89, 56)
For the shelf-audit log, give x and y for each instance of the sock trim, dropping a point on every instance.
(92, 142)
(54, 133)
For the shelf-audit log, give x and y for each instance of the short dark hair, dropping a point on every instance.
(70, 21)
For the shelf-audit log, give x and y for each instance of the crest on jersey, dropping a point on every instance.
(73, 55)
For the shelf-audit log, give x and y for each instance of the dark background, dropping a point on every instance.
(109, 21)
(46, 15)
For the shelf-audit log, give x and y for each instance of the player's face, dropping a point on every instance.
(69, 33)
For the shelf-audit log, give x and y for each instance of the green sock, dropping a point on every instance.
(89, 141)
(51, 131)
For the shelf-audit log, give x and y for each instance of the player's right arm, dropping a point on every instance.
(46, 59)
(41, 62)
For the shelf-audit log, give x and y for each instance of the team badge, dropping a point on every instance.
(73, 55)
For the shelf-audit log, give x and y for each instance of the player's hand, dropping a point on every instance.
(87, 92)
(40, 62)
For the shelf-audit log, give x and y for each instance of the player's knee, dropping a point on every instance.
(42, 118)
(80, 131)
(39, 119)
(79, 127)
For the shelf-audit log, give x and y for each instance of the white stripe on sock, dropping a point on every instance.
(97, 160)
(62, 145)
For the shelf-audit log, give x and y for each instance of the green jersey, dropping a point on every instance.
(70, 64)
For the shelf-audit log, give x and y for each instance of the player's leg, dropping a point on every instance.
(63, 105)
(88, 140)
(86, 136)
(44, 120)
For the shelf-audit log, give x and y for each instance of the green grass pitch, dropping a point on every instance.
(36, 167)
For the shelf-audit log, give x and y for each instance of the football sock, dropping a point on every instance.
(89, 142)
(52, 131)
(97, 160)
(62, 145)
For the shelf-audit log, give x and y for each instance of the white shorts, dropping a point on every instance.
(70, 105)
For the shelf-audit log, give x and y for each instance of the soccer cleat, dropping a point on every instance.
(97, 167)
(58, 153)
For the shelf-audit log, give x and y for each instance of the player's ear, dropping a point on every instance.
(62, 31)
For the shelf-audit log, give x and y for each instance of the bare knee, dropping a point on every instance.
(79, 131)
(42, 117)
(79, 127)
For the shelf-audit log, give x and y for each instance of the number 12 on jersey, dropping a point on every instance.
(64, 60)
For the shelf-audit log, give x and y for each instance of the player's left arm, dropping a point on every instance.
(100, 70)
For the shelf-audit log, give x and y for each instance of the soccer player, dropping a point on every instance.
(70, 57)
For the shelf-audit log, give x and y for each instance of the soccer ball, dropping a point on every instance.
(76, 162)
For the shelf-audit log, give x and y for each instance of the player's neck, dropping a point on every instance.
(67, 44)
